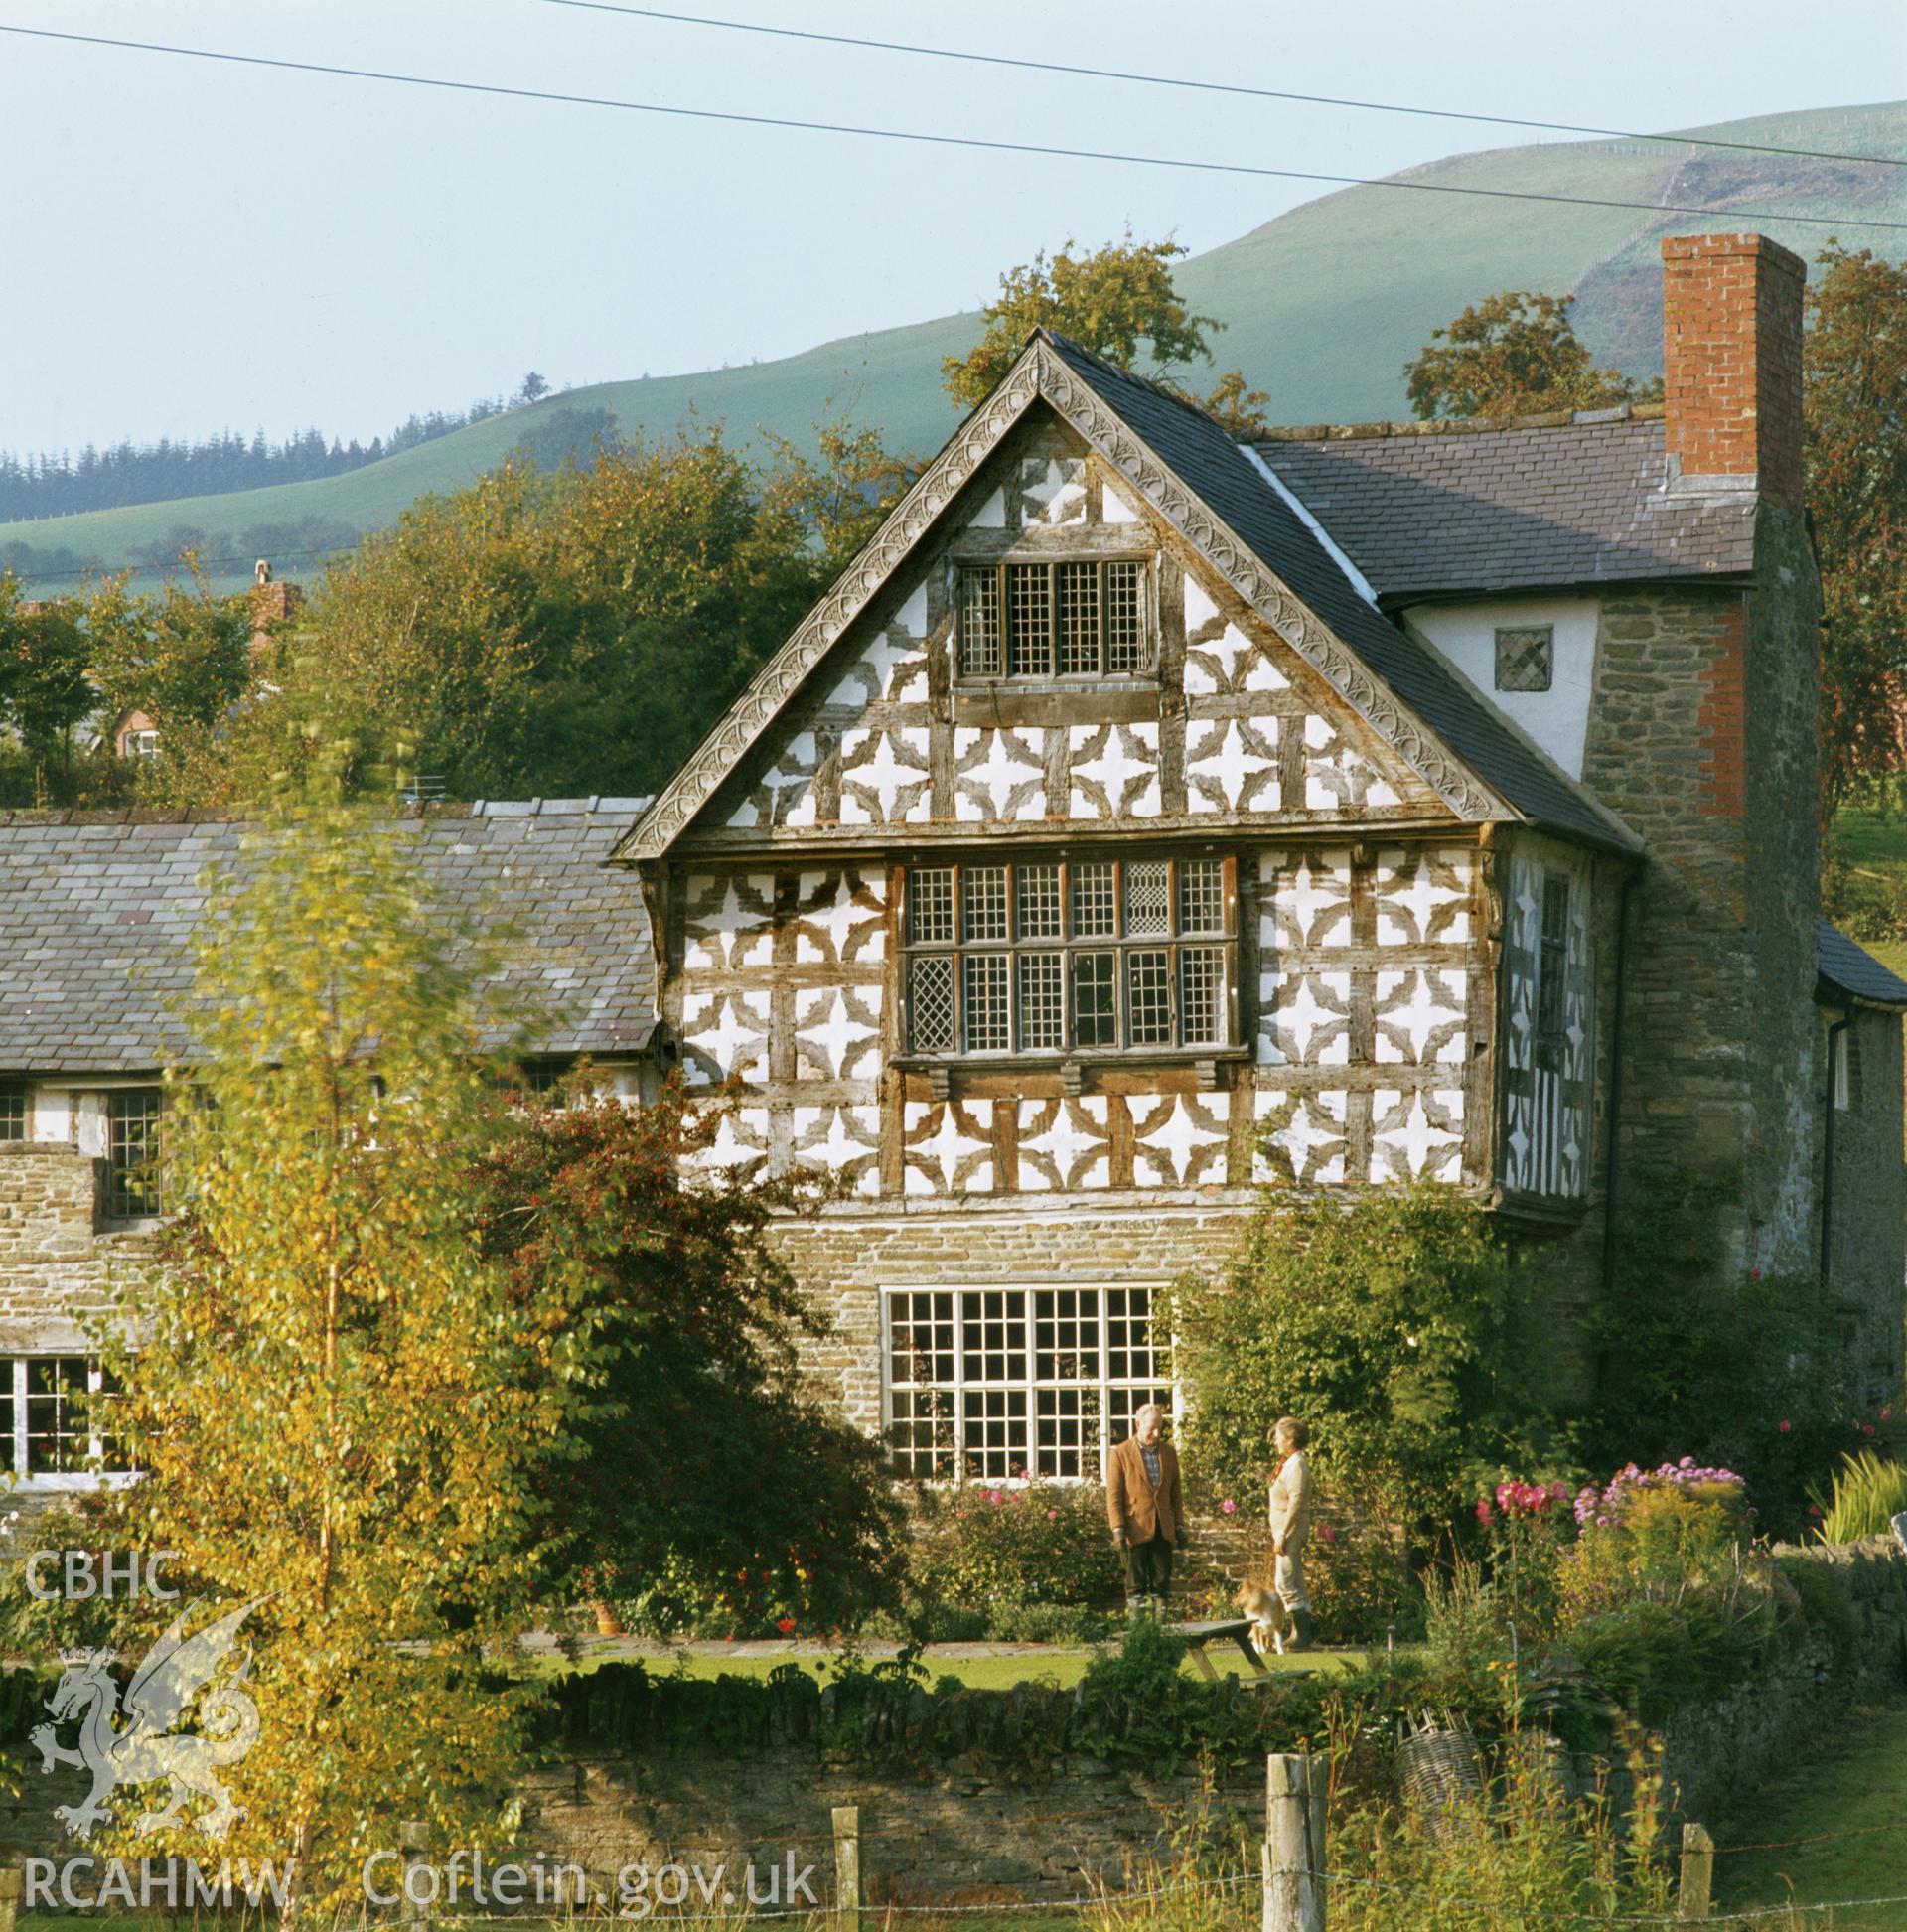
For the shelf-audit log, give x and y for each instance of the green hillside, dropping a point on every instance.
(1323, 305)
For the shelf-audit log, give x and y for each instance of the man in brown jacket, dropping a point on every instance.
(1147, 1515)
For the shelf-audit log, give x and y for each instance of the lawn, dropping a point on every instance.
(998, 1670)
(1873, 843)
(1846, 1805)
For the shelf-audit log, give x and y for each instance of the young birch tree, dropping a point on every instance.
(338, 1403)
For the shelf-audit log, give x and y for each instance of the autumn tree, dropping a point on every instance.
(338, 1401)
(1514, 354)
(542, 633)
(44, 695)
(710, 1487)
(1110, 301)
(1854, 426)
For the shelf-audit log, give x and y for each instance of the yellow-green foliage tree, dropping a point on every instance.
(1112, 301)
(574, 632)
(339, 1403)
(1854, 364)
(1515, 353)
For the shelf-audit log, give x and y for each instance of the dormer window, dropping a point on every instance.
(1047, 622)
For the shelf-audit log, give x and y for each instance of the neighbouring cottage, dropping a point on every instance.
(1143, 814)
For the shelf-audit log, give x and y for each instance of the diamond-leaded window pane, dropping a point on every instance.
(1202, 895)
(931, 984)
(1148, 897)
(1040, 906)
(983, 902)
(1079, 588)
(985, 993)
(931, 905)
(1126, 642)
(1095, 999)
(1525, 657)
(980, 624)
(1095, 911)
(1148, 983)
(1028, 619)
(1041, 999)
(1202, 995)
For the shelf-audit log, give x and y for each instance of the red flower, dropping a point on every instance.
(1325, 1534)
(1866, 1428)
(1786, 1426)
(1485, 1514)
(785, 1625)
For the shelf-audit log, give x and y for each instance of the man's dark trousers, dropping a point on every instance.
(1149, 1567)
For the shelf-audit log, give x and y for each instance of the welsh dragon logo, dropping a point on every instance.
(145, 1746)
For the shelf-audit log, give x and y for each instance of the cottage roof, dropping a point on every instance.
(96, 909)
(1850, 970)
(1427, 510)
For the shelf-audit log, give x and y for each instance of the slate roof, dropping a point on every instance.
(1845, 965)
(94, 908)
(1215, 469)
(1427, 510)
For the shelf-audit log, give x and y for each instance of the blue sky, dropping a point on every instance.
(192, 245)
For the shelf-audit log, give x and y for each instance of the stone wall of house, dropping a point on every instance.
(1701, 699)
(846, 1258)
(57, 1263)
(1868, 1203)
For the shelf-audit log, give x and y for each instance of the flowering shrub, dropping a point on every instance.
(1526, 1525)
(994, 1545)
(1652, 1536)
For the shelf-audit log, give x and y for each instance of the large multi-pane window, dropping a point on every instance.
(1001, 1384)
(1050, 956)
(13, 1110)
(132, 1153)
(56, 1417)
(1078, 619)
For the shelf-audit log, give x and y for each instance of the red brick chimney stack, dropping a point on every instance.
(1731, 328)
(274, 605)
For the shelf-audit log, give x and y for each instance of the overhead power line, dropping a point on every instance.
(918, 138)
(1216, 87)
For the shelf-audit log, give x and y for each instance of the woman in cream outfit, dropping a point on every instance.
(1291, 1524)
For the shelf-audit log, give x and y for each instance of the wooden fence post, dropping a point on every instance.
(1295, 1885)
(1698, 1872)
(847, 1866)
(10, 1879)
(413, 1836)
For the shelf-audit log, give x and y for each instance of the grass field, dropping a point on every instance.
(1322, 306)
(1873, 842)
(1847, 1802)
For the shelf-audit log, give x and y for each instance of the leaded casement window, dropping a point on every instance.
(1054, 955)
(133, 1152)
(55, 1418)
(1526, 656)
(13, 1110)
(1086, 618)
(1552, 952)
(1000, 1385)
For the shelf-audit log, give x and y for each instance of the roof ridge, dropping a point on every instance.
(1324, 432)
(1156, 384)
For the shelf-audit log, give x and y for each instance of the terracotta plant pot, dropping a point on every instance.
(608, 1623)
